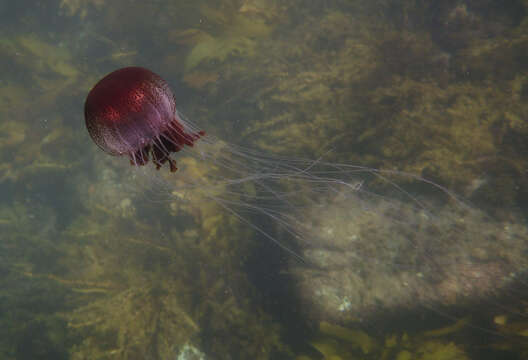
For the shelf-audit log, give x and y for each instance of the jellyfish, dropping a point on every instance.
(132, 111)
(328, 210)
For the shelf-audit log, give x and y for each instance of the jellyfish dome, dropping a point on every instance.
(132, 111)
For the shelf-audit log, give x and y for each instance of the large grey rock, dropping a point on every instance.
(366, 256)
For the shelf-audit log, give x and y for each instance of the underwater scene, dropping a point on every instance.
(340, 179)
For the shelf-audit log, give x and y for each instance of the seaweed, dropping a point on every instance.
(336, 342)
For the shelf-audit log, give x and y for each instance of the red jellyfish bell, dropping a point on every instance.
(132, 111)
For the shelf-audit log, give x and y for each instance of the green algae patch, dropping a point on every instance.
(237, 37)
(359, 338)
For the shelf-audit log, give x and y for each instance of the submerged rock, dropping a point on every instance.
(369, 257)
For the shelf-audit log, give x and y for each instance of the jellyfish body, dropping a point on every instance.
(132, 111)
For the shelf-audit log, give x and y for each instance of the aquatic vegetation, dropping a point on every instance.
(198, 80)
(514, 330)
(29, 325)
(134, 292)
(336, 342)
(358, 338)
(79, 7)
(145, 321)
(311, 91)
(234, 32)
(40, 144)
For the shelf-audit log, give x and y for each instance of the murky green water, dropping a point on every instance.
(100, 260)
